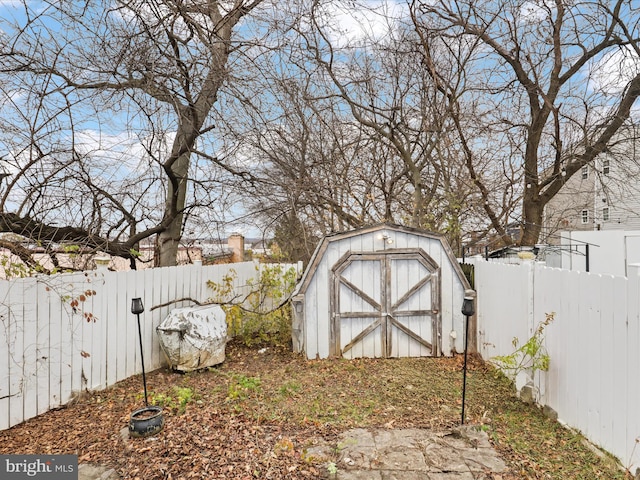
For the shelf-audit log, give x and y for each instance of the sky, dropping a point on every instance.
(351, 25)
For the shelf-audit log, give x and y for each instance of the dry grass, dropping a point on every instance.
(232, 421)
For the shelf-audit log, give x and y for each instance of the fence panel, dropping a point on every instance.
(18, 371)
(619, 390)
(43, 340)
(500, 307)
(8, 365)
(592, 382)
(63, 334)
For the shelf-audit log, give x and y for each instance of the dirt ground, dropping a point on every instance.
(260, 412)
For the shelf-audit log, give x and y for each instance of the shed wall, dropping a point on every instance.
(316, 316)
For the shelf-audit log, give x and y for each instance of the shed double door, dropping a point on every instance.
(386, 304)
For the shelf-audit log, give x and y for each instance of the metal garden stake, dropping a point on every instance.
(137, 308)
(468, 309)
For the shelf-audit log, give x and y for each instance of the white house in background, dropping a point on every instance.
(604, 195)
(599, 206)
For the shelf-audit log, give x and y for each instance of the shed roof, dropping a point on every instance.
(336, 236)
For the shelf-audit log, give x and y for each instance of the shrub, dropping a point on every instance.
(263, 316)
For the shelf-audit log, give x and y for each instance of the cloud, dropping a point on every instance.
(532, 12)
(124, 151)
(613, 72)
(371, 20)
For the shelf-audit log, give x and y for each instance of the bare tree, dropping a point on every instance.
(317, 166)
(387, 94)
(314, 169)
(147, 73)
(534, 80)
(347, 135)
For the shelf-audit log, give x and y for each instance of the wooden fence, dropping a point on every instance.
(63, 334)
(593, 382)
(67, 333)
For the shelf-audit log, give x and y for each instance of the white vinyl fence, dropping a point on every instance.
(593, 382)
(63, 334)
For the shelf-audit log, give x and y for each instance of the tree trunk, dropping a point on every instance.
(177, 168)
(532, 210)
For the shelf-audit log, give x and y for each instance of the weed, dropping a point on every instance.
(176, 402)
(628, 473)
(531, 357)
(289, 389)
(241, 386)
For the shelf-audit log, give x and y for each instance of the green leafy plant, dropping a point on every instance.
(263, 316)
(13, 269)
(176, 401)
(531, 356)
(72, 250)
(241, 386)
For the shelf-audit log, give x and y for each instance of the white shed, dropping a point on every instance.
(380, 291)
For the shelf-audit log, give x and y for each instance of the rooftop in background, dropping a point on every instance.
(233, 249)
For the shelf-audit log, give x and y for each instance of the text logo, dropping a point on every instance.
(39, 467)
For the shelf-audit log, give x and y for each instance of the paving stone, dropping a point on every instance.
(445, 458)
(406, 454)
(397, 475)
(96, 472)
(484, 459)
(391, 457)
(357, 437)
(359, 475)
(473, 435)
(457, 476)
(401, 454)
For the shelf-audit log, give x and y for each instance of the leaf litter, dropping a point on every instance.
(255, 416)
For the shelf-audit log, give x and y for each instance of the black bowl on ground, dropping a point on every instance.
(146, 421)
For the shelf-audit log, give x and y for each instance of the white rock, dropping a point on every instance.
(194, 337)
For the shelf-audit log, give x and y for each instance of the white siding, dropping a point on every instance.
(620, 192)
(316, 284)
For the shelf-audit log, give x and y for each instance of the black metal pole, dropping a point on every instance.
(586, 254)
(144, 377)
(464, 375)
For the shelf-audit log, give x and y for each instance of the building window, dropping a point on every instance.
(585, 172)
(585, 216)
(606, 167)
(605, 214)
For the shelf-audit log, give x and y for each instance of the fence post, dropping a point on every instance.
(632, 365)
(530, 294)
(524, 381)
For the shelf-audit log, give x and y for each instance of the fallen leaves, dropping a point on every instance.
(286, 404)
